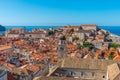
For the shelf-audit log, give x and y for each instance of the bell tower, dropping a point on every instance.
(62, 47)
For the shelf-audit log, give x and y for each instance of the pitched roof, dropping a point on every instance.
(55, 53)
(113, 71)
(87, 63)
(33, 68)
(19, 71)
(19, 43)
(5, 47)
(71, 27)
(117, 57)
(75, 26)
(98, 52)
(36, 55)
(71, 46)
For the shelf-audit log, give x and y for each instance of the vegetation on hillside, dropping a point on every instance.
(85, 44)
(114, 45)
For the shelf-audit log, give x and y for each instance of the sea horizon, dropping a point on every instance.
(113, 29)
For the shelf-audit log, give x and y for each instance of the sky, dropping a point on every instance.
(59, 12)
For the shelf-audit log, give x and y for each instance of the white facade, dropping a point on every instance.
(82, 34)
(92, 74)
(98, 45)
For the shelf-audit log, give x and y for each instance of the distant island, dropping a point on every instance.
(2, 28)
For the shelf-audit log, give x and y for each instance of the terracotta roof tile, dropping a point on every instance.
(5, 47)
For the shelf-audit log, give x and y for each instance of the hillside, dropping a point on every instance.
(2, 28)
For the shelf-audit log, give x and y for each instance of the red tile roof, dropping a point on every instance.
(5, 47)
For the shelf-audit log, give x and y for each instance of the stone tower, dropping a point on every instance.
(62, 47)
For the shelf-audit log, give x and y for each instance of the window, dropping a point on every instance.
(82, 73)
(93, 74)
(103, 76)
(72, 73)
(61, 48)
(30, 35)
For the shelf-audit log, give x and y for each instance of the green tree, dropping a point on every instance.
(110, 57)
(89, 45)
(51, 33)
(79, 46)
(76, 38)
(115, 45)
(86, 44)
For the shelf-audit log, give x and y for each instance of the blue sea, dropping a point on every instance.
(112, 29)
(28, 28)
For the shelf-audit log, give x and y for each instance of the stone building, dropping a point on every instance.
(82, 34)
(89, 69)
(35, 35)
(113, 72)
(62, 47)
(15, 32)
(89, 27)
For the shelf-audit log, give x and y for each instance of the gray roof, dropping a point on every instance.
(87, 63)
(114, 71)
